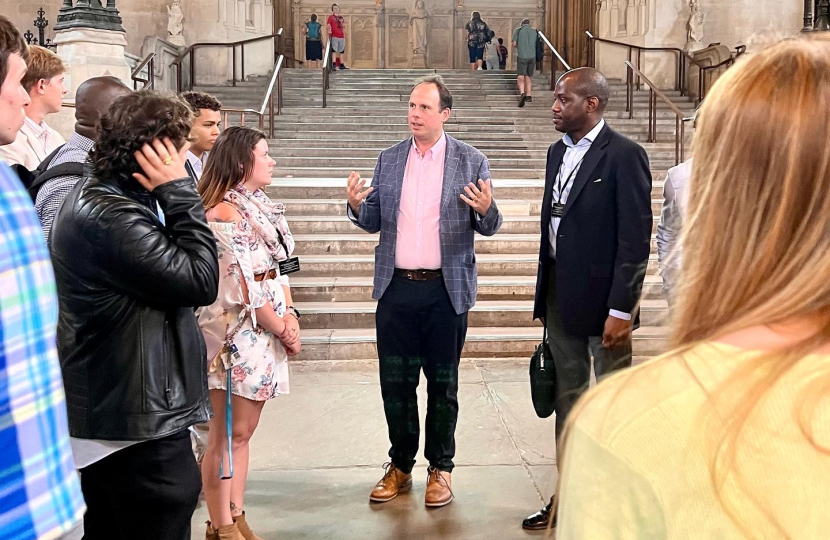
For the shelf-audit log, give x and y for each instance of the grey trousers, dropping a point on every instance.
(572, 357)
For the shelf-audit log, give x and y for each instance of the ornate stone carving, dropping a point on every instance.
(694, 28)
(418, 20)
(174, 23)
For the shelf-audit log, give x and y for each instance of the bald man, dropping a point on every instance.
(92, 100)
(596, 236)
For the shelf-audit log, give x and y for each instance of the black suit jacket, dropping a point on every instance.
(604, 238)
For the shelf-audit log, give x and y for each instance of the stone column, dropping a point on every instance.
(91, 42)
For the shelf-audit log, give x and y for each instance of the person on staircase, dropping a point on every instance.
(252, 328)
(478, 33)
(726, 435)
(596, 236)
(524, 41)
(336, 29)
(206, 123)
(491, 53)
(313, 43)
(44, 81)
(430, 194)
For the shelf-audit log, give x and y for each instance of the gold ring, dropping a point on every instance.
(168, 160)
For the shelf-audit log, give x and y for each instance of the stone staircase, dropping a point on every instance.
(316, 149)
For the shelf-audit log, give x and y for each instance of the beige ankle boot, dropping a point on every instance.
(246, 531)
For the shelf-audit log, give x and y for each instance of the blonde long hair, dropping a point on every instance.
(756, 244)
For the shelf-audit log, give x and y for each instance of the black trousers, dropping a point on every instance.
(417, 327)
(572, 358)
(148, 490)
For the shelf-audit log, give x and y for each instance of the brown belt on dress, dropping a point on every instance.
(418, 275)
(270, 274)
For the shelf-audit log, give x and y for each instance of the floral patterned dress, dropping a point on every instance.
(260, 371)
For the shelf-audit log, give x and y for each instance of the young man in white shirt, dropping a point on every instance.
(44, 83)
(204, 132)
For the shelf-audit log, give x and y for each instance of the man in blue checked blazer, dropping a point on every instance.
(430, 194)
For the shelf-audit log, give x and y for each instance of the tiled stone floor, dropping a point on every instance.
(318, 452)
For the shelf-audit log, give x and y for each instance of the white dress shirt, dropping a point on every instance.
(197, 164)
(571, 162)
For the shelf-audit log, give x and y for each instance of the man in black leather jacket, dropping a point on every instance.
(133, 257)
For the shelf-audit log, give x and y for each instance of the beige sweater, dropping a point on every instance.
(637, 464)
(28, 148)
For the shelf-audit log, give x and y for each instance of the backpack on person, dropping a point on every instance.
(35, 179)
(313, 30)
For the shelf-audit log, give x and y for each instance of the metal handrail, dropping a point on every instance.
(680, 121)
(150, 81)
(547, 42)
(682, 59)
(267, 102)
(189, 52)
(326, 71)
(703, 79)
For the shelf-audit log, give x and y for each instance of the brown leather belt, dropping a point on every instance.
(270, 274)
(418, 275)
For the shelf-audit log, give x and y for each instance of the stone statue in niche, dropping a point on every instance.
(694, 28)
(418, 20)
(174, 23)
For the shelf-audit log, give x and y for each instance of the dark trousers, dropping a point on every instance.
(148, 490)
(417, 327)
(572, 358)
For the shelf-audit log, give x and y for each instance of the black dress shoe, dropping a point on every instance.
(539, 520)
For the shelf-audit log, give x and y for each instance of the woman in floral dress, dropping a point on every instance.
(252, 327)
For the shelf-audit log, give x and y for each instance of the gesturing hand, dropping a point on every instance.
(354, 193)
(616, 332)
(478, 199)
(161, 163)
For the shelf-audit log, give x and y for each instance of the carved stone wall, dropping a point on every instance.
(379, 35)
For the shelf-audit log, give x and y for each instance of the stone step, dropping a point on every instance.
(493, 151)
(309, 223)
(368, 162)
(326, 209)
(358, 242)
(490, 288)
(318, 114)
(326, 189)
(481, 342)
(391, 137)
(499, 264)
(494, 313)
(513, 173)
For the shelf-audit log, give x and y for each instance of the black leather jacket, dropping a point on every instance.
(133, 357)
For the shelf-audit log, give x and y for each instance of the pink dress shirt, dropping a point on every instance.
(418, 246)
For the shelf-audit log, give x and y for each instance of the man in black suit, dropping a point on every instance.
(596, 232)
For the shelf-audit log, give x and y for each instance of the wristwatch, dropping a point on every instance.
(294, 311)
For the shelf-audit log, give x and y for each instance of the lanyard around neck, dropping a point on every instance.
(559, 185)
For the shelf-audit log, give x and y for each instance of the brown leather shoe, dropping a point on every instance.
(392, 483)
(228, 532)
(246, 531)
(439, 488)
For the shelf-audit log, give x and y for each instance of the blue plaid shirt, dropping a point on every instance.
(40, 496)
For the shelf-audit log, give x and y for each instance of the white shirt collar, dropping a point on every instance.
(587, 139)
(39, 130)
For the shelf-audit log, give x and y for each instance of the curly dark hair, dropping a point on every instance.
(131, 121)
(201, 100)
